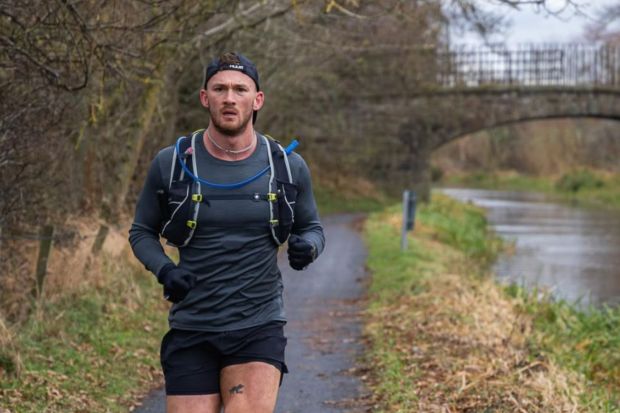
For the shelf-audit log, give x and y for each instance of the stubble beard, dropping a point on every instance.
(228, 131)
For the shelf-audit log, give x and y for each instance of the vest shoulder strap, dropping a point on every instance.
(185, 153)
(282, 170)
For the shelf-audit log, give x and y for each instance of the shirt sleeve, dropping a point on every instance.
(144, 231)
(307, 223)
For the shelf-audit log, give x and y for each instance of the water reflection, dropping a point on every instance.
(574, 252)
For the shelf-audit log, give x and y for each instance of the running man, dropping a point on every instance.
(225, 347)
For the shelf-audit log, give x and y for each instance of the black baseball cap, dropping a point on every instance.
(232, 61)
(228, 61)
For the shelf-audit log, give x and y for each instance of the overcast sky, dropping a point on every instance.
(530, 26)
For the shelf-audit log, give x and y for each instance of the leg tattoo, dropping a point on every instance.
(238, 389)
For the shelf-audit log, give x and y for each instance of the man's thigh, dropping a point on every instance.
(250, 387)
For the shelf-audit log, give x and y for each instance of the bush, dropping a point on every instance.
(436, 173)
(579, 180)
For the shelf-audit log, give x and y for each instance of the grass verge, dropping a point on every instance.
(587, 186)
(444, 337)
(330, 202)
(95, 350)
(585, 341)
(349, 194)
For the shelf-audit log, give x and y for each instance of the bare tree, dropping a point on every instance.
(606, 25)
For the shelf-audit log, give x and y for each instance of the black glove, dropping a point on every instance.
(176, 282)
(300, 252)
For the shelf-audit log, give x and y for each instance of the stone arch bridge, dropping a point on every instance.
(477, 89)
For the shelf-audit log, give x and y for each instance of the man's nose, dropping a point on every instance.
(229, 97)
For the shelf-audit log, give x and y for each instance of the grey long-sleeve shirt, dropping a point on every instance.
(232, 252)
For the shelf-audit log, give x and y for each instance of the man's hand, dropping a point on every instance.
(300, 252)
(176, 282)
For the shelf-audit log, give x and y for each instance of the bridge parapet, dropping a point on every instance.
(530, 65)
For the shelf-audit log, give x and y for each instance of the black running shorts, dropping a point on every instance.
(192, 360)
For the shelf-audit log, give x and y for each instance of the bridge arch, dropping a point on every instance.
(465, 113)
(552, 117)
(426, 121)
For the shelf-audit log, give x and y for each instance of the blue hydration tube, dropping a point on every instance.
(290, 148)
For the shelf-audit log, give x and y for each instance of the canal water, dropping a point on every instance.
(571, 251)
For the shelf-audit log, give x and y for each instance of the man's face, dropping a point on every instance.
(231, 99)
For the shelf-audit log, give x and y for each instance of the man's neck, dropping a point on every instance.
(230, 148)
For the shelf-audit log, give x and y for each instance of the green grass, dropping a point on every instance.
(330, 201)
(462, 227)
(586, 341)
(397, 388)
(589, 187)
(490, 180)
(394, 272)
(95, 351)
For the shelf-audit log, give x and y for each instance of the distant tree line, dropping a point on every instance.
(542, 148)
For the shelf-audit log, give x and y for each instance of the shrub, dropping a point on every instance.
(579, 180)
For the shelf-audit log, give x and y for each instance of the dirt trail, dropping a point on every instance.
(322, 305)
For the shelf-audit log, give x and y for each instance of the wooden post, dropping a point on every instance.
(1, 252)
(100, 239)
(45, 247)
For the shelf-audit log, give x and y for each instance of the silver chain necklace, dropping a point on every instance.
(234, 152)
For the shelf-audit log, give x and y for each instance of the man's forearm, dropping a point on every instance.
(147, 248)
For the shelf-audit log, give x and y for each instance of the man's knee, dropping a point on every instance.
(247, 405)
(208, 403)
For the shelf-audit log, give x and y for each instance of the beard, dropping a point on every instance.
(230, 130)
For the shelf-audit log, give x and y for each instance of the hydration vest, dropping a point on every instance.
(181, 202)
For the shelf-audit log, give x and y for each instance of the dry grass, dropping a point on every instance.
(18, 260)
(450, 340)
(71, 266)
(90, 341)
(68, 265)
(464, 346)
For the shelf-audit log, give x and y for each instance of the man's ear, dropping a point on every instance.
(259, 100)
(204, 100)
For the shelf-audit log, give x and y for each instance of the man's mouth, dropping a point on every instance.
(229, 112)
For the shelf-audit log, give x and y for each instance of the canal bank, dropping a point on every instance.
(570, 250)
(443, 335)
(582, 186)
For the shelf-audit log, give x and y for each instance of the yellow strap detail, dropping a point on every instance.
(191, 224)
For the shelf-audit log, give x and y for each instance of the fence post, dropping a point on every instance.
(45, 246)
(1, 252)
(100, 239)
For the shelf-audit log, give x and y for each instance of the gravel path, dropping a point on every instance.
(322, 305)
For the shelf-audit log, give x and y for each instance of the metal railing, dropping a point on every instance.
(529, 65)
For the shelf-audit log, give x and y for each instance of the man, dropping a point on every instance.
(225, 347)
